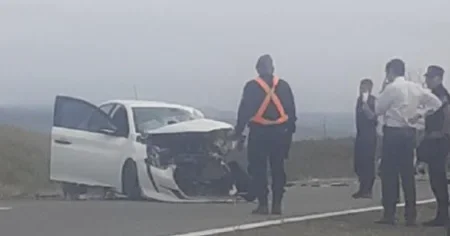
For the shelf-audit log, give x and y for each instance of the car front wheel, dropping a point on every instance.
(130, 181)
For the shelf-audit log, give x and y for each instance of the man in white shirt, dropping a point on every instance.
(398, 104)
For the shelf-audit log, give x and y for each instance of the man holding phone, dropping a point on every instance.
(398, 104)
(366, 140)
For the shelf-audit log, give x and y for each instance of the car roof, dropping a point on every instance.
(145, 103)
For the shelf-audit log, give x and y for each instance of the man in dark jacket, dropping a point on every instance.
(435, 147)
(268, 108)
(366, 140)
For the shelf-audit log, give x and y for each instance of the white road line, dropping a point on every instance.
(5, 208)
(267, 223)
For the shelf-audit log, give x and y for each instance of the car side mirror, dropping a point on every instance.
(142, 138)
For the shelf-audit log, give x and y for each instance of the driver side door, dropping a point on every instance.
(78, 141)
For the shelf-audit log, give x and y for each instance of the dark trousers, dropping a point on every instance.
(267, 146)
(398, 160)
(434, 152)
(364, 160)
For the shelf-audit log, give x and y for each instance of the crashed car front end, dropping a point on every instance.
(190, 161)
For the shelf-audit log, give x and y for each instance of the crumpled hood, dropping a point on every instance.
(193, 126)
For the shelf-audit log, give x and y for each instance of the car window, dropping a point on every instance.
(98, 120)
(120, 119)
(71, 113)
(106, 108)
(148, 118)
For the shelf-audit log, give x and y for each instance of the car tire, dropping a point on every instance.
(72, 191)
(130, 181)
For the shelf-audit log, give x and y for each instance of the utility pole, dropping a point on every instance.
(324, 124)
(135, 92)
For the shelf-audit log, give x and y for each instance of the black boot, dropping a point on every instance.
(261, 210)
(276, 209)
(410, 216)
(386, 221)
(263, 207)
(440, 220)
(388, 218)
(276, 204)
(361, 194)
(437, 222)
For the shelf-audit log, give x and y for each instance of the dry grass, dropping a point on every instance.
(329, 158)
(351, 225)
(24, 160)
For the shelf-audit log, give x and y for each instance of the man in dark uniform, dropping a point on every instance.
(366, 140)
(268, 108)
(435, 147)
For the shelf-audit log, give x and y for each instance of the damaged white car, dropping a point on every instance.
(144, 150)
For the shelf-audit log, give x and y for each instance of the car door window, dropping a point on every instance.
(72, 113)
(97, 121)
(120, 119)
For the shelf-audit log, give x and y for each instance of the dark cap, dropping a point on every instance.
(434, 71)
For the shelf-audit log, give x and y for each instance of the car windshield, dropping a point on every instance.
(149, 118)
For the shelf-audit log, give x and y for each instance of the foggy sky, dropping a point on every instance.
(201, 52)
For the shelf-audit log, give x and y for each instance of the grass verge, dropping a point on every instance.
(24, 161)
(351, 225)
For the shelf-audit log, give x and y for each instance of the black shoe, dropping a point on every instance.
(276, 209)
(356, 195)
(362, 195)
(411, 223)
(385, 221)
(261, 210)
(437, 222)
(247, 197)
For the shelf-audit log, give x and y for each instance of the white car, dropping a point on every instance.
(143, 149)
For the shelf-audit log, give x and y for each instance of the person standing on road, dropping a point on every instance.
(268, 108)
(399, 103)
(434, 149)
(366, 140)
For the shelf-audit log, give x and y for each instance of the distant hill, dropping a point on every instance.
(311, 125)
(37, 119)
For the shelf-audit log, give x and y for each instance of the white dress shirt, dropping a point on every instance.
(402, 100)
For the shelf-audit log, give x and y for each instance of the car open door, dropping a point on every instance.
(81, 137)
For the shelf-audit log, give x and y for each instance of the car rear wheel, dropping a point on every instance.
(72, 191)
(130, 181)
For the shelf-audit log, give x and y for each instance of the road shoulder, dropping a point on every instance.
(360, 224)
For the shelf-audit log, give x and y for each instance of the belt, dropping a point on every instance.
(398, 128)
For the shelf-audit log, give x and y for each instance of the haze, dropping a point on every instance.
(201, 52)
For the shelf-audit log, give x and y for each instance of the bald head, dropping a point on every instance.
(264, 66)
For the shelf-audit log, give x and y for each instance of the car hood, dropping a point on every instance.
(193, 126)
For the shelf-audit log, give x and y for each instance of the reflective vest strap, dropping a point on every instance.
(270, 95)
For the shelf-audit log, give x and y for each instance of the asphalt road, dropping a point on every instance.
(117, 218)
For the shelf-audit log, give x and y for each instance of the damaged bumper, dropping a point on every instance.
(187, 162)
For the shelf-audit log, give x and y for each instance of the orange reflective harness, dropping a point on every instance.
(270, 96)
